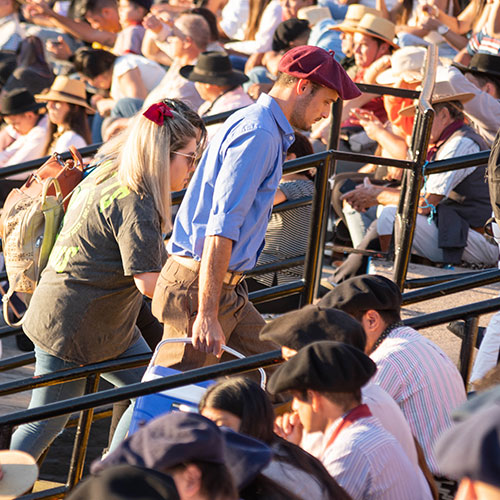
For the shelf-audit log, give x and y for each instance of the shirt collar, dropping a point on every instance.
(267, 101)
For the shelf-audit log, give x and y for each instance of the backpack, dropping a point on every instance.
(30, 221)
(494, 177)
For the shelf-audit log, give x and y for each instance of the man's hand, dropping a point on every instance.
(289, 427)
(208, 335)
(367, 119)
(363, 196)
(59, 48)
(151, 22)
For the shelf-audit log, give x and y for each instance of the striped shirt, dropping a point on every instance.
(482, 42)
(423, 381)
(370, 464)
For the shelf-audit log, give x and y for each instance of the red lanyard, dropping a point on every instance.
(361, 411)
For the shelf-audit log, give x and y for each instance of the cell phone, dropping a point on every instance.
(347, 186)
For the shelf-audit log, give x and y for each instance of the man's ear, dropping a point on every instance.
(315, 400)
(372, 319)
(302, 86)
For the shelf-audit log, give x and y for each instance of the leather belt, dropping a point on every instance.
(231, 277)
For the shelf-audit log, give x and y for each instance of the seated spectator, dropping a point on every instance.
(11, 32)
(185, 40)
(99, 27)
(413, 370)
(325, 379)
(302, 327)
(218, 84)
(125, 76)
(241, 405)
(67, 111)
(263, 19)
(469, 452)
(233, 19)
(32, 71)
(25, 136)
(459, 197)
(131, 13)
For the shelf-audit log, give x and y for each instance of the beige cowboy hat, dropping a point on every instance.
(406, 64)
(314, 14)
(354, 14)
(377, 27)
(443, 92)
(68, 90)
(19, 473)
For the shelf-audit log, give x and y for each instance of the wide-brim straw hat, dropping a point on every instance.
(68, 90)
(354, 14)
(214, 68)
(406, 64)
(443, 92)
(19, 473)
(377, 27)
(314, 14)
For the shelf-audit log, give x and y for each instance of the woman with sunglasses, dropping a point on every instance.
(108, 254)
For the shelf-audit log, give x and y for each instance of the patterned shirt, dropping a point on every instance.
(370, 464)
(423, 381)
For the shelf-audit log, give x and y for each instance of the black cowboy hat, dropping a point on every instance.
(482, 64)
(214, 68)
(18, 101)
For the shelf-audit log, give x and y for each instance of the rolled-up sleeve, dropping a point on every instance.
(242, 175)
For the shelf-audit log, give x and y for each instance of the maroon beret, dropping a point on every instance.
(319, 66)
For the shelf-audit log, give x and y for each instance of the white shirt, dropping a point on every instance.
(151, 73)
(269, 21)
(25, 147)
(67, 139)
(370, 464)
(174, 86)
(483, 110)
(424, 383)
(234, 18)
(11, 33)
(236, 98)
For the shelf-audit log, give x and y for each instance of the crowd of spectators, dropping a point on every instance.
(373, 410)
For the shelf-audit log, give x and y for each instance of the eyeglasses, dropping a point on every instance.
(193, 157)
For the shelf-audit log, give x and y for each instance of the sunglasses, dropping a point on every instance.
(193, 157)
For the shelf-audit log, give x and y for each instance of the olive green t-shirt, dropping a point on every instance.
(85, 307)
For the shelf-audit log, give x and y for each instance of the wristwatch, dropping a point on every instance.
(443, 29)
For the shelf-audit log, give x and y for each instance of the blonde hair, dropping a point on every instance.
(140, 155)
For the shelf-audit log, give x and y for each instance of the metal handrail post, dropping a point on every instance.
(404, 224)
(82, 436)
(5, 436)
(467, 347)
(319, 219)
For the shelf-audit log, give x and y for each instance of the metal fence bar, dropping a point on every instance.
(7, 331)
(407, 210)
(442, 278)
(449, 287)
(457, 163)
(17, 361)
(467, 347)
(382, 90)
(276, 292)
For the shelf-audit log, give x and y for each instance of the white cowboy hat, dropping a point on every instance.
(406, 64)
(20, 472)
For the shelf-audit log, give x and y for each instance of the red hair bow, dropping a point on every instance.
(157, 113)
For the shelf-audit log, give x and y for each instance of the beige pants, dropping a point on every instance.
(175, 304)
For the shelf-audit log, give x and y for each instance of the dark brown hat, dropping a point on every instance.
(324, 367)
(482, 64)
(361, 293)
(299, 328)
(214, 68)
(18, 101)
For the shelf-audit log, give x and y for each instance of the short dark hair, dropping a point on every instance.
(301, 146)
(97, 5)
(209, 17)
(93, 62)
(286, 80)
(388, 316)
(455, 108)
(483, 79)
(341, 399)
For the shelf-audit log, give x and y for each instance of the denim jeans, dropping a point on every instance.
(34, 438)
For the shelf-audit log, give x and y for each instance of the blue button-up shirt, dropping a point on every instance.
(232, 191)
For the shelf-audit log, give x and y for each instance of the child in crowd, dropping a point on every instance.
(131, 13)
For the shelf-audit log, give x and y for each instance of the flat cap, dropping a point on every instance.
(324, 367)
(312, 323)
(472, 448)
(287, 32)
(369, 291)
(126, 482)
(319, 66)
(180, 437)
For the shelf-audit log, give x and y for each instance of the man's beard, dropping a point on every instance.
(297, 117)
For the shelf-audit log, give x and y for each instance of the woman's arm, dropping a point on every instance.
(131, 84)
(493, 20)
(146, 283)
(460, 24)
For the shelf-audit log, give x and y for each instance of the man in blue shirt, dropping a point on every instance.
(220, 227)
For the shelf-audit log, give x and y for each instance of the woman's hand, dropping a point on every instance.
(367, 119)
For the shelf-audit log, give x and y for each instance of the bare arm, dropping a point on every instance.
(146, 282)
(493, 22)
(152, 51)
(132, 85)
(460, 24)
(207, 332)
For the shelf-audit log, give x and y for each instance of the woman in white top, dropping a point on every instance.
(67, 110)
